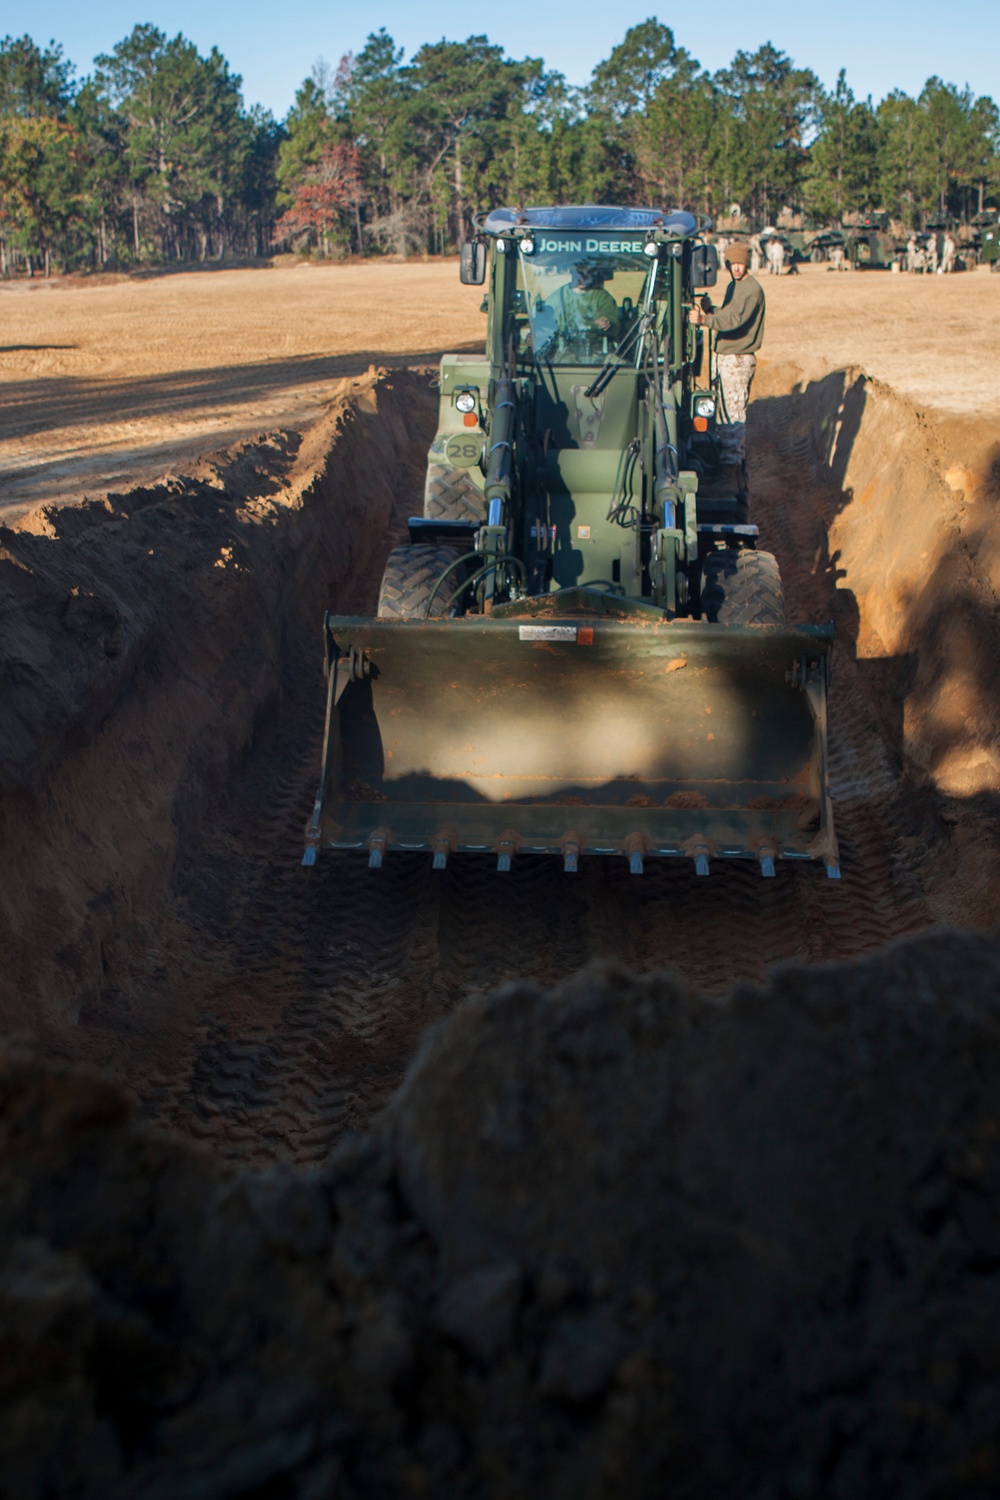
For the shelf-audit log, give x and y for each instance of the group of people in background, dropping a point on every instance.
(933, 252)
(928, 257)
(766, 249)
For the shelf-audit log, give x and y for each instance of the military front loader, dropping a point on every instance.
(581, 650)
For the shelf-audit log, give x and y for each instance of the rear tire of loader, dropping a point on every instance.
(742, 588)
(450, 495)
(409, 580)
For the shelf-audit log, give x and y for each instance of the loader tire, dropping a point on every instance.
(450, 495)
(409, 580)
(742, 588)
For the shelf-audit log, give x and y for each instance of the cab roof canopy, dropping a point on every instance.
(501, 221)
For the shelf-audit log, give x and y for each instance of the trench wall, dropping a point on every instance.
(910, 518)
(146, 636)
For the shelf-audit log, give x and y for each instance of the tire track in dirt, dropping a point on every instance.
(308, 990)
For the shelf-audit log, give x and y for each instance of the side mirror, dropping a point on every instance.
(472, 263)
(704, 265)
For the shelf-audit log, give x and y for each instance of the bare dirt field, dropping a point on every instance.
(112, 382)
(702, 1199)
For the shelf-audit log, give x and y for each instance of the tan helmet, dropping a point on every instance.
(738, 254)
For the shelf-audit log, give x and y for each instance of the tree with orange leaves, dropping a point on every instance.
(330, 190)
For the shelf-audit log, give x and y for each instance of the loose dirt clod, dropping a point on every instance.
(610, 1239)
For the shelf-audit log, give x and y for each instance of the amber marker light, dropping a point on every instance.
(701, 424)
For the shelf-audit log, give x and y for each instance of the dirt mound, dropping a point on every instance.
(611, 1239)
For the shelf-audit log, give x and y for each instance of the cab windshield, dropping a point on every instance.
(583, 296)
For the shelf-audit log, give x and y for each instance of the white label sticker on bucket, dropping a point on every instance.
(547, 632)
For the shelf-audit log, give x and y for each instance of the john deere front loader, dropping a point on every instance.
(581, 650)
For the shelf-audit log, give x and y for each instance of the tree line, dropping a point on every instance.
(155, 157)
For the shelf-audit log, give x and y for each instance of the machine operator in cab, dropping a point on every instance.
(582, 308)
(739, 333)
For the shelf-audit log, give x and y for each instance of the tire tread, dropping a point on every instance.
(450, 495)
(742, 588)
(411, 573)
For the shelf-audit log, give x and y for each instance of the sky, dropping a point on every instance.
(882, 45)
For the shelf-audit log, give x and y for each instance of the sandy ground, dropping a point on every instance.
(932, 338)
(106, 384)
(103, 384)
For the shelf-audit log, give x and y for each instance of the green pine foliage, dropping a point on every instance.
(155, 158)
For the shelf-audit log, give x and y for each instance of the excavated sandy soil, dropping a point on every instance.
(161, 742)
(610, 1236)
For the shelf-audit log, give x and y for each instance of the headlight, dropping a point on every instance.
(650, 248)
(704, 406)
(527, 247)
(466, 401)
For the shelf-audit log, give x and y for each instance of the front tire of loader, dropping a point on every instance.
(450, 495)
(409, 580)
(742, 588)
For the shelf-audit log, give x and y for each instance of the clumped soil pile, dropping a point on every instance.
(610, 1239)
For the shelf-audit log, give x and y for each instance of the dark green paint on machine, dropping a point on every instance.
(582, 650)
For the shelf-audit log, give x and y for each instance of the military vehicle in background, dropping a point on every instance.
(870, 247)
(581, 650)
(818, 244)
(934, 233)
(977, 241)
(987, 226)
(793, 252)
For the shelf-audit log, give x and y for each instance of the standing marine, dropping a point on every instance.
(739, 333)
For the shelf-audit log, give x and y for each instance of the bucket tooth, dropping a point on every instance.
(376, 850)
(700, 850)
(309, 855)
(833, 870)
(767, 866)
(571, 844)
(635, 849)
(442, 844)
(506, 847)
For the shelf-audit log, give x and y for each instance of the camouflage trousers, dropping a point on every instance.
(736, 373)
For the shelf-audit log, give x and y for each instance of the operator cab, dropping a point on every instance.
(583, 279)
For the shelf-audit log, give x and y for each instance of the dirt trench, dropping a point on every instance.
(162, 664)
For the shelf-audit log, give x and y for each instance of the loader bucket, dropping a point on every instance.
(639, 737)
